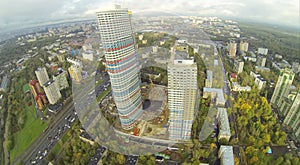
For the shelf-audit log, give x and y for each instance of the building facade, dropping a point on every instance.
(232, 49)
(38, 95)
(75, 73)
(244, 46)
(292, 117)
(52, 92)
(263, 51)
(261, 61)
(122, 63)
(226, 155)
(60, 79)
(282, 87)
(239, 66)
(42, 75)
(182, 97)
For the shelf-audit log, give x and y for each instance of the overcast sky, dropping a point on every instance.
(21, 13)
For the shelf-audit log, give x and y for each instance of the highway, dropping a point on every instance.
(59, 125)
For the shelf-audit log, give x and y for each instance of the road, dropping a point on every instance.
(41, 142)
(35, 153)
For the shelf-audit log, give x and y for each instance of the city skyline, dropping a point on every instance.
(36, 12)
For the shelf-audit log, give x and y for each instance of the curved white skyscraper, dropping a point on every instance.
(122, 64)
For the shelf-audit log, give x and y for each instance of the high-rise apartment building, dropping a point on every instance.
(261, 60)
(239, 66)
(292, 118)
(60, 79)
(52, 92)
(244, 46)
(75, 73)
(282, 87)
(122, 63)
(232, 49)
(182, 95)
(42, 75)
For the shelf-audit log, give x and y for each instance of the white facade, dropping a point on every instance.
(182, 97)
(74, 61)
(232, 49)
(239, 66)
(263, 51)
(42, 75)
(88, 55)
(226, 155)
(224, 127)
(244, 46)
(52, 92)
(122, 63)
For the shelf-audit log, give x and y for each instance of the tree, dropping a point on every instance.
(120, 159)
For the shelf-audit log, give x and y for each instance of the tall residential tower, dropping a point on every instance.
(122, 63)
(182, 95)
(42, 75)
(282, 87)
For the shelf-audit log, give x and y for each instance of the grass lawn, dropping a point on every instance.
(58, 146)
(26, 88)
(32, 129)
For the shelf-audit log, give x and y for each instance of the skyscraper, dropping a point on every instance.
(42, 75)
(182, 95)
(122, 63)
(282, 87)
(52, 92)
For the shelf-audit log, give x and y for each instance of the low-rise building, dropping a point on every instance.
(224, 127)
(38, 95)
(4, 83)
(209, 79)
(263, 51)
(74, 61)
(215, 93)
(226, 155)
(238, 88)
(258, 79)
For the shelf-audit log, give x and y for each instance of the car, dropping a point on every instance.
(72, 120)
(66, 118)
(66, 125)
(45, 152)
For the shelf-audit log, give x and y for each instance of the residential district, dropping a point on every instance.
(189, 90)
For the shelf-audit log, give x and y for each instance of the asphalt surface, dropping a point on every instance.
(60, 123)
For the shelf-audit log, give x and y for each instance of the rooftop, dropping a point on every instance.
(48, 83)
(224, 122)
(226, 154)
(218, 91)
